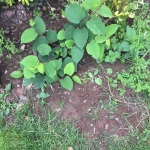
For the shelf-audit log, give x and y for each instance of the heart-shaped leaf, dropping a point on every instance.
(91, 4)
(96, 25)
(28, 35)
(74, 13)
(80, 37)
(39, 25)
(67, 83)
(44, 49)
(77, 79)
(69, 69)
(16, 74)
(105, 11)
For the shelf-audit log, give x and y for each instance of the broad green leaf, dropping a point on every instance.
(101, 53)
(62, 44)
(93, 49)
(68, 60)
(38, 41)
(69, 69)
(50, 80)
(51, 36)
(105, 11)
(130, 32)
(44, 58)
(98, 81)
(91, 4)
(76, 54)
(28, 35)
(67, 83)
(80, 37)
(124, 46)
(8, 87)
(39, 25)
(107, 59)
(74, 13)
(44, 49)
(76, 79)
(96, 25)
(61, 35)
(58, 63)
(49, 68)
(69, 30)
(117, 54)
(16, 74)
(39, 80)
(28, 73)
(110, 30)
(64, 52)
(40, 68)
(91, 35)
(30, 61)
(69, 43)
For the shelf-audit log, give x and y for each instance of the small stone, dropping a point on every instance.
(70, 148)
(20, 22)
(5, 72)
(10, 14)
(106, 126)
(7, 31)
(21, 91)
(23, 98)
(44, 8)
(88, 110)
(22, 47)
(19, 106)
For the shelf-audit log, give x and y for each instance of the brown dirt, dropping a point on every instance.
(83, 102)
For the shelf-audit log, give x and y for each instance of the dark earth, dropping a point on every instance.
(86, 103)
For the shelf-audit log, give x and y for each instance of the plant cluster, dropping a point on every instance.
(59, 53)
(11, 2)
(6, 45)
(49, 133)
(137, 76)
(5, 105)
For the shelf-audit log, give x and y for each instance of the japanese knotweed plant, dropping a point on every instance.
(59, 53)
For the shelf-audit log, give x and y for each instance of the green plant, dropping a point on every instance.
(130, 42)
(48, 133)
(37, 12)
(11, 2)
(5, 105)
(6, 45)
(59, 53)
(92, 76)
(137, 76)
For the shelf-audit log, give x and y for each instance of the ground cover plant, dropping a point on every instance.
(106, 105)
(33, 132)
(6, 45)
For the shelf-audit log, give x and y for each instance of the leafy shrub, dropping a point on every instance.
(86, 30)
(6, 45)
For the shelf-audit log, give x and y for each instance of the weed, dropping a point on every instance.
(6, 45)
(5, 105)
(33, 132)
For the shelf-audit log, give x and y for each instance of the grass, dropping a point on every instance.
(30, 132)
